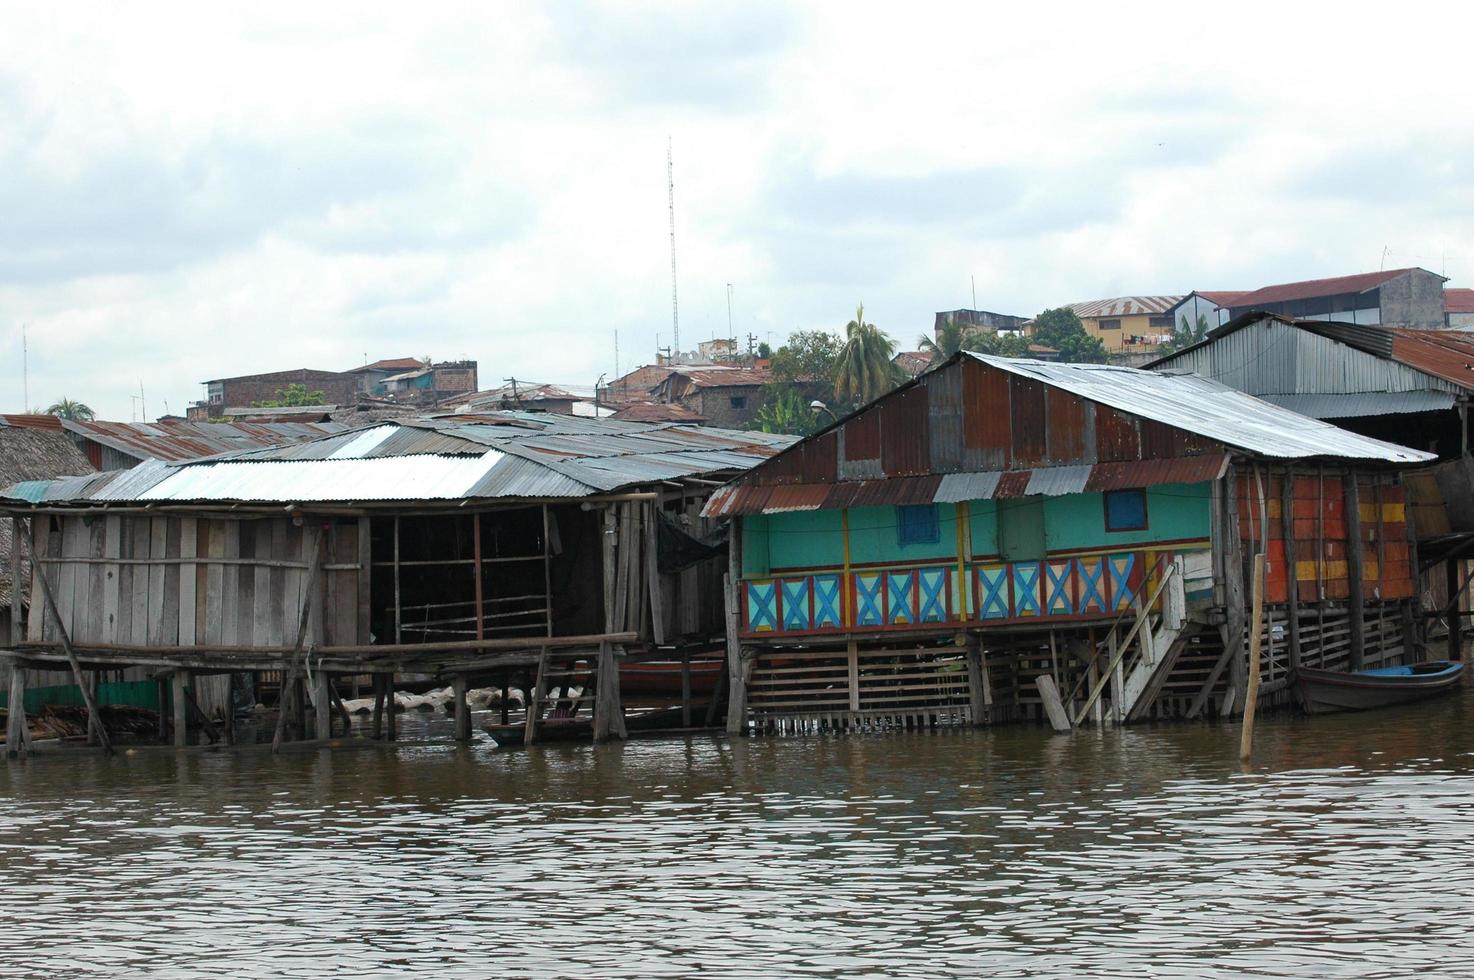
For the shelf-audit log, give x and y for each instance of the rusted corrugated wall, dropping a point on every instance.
(972, 417)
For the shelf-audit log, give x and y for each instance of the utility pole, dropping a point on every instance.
(729, 314)
(675, 309)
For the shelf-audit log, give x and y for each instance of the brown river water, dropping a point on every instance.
(1347, 849)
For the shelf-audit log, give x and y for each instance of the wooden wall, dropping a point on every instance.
(182, 581)
(1323, 537)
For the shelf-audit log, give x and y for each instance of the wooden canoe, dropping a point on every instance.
(1323, 691)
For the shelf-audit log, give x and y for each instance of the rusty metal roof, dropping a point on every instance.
(1314, 288)
(1207, 408)
(191, 440)
(1048, 481)
(501, 454)
(1458, 300)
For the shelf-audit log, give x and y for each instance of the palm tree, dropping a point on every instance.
(71, 411)
(865, 370)
(951, 337)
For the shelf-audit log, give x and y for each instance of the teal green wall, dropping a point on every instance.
(984, 524)
(1173, 511)
(137, 694)
(813, 539)
(874, 537)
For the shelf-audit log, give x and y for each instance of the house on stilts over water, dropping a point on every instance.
(512, 547)
(998, 531)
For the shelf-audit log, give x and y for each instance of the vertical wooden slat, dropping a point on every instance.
(173, 574)
(139, 592)
(158, 539)
(97, 580)
(188, 576)
(113, 530)
(480, 601)
(652, 568)
(15, 586)
(365, 580)
(230, 582)
(279, 631)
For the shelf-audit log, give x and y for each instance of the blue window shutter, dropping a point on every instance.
(917, 524)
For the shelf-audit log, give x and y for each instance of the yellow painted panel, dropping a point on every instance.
(1305, 570)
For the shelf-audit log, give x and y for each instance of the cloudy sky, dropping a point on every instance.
(206, 190)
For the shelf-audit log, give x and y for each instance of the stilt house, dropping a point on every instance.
(999, 523)
(459, 546)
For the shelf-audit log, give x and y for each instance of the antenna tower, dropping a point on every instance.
(670, 185)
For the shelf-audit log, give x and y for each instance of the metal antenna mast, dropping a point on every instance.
(25, 369)
(675, 311)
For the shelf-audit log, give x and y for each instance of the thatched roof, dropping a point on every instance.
(33, 453)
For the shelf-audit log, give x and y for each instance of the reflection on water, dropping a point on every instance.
(1008, 853)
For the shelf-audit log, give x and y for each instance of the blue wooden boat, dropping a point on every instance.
(1323, 691)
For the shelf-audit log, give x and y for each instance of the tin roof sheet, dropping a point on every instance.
(504, 454)
(1458, 299)
(1049, 481)
(1363, 404)
(193, 440)
(1126, 306)
(1210, 409)
(1312, 288)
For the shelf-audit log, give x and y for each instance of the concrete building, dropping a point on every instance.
(725, 396)
(1394, 298)
(980, 320)
(1458, 309)
(1128, 324)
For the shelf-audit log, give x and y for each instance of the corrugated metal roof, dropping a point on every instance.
(1458, 300)
(505, 454)
(1048, 481)
(193, 440)
(1363, 404)
(1126, 306)
(1207, 408)
(1313, 288)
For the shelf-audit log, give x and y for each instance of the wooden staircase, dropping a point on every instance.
(596, 676)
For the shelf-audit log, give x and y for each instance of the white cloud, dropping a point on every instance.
(198, 190)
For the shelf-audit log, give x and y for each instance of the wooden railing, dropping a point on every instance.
(895, 598)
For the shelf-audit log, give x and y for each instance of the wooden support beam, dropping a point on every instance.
(462, 709)
(480, 600)
(975, 683)
(378, 723)
(1251, 696)
(16, 730)
(1451, 576)
(16, 632)
(93, 713)
(652, 571)
(1354, 573)
(391, 709)
(736, 679)
(205, 723)
(535, 698)
(322, 705)
(179, 681)
(1235, 607)
(1054, 708)
(289, 675)
(685, 688)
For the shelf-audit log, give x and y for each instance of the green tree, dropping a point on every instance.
(1186, 334)
(71, 411)
(865, 371)
(952, 337)
(808, 355)
(785, 410)
(291, 396)
(1061, 329)
(1003, 345)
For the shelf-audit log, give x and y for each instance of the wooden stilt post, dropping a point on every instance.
(16, 633)
(206, 725)
(177, 681)
(16, 740)
(685, 685)
(290, 666)
(378, 723)
(322, 705)
(506, 696)
(228, 722)
(974, 656)
(1455, 608)
(1251, 695)
(391, 709)
(66, 644)
(605, 694)
(459, 685)
(736, 673)
(538, 691)
(161, 691)
(1233, 572)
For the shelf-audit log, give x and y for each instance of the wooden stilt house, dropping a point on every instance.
(1000, 531)
(465, 547)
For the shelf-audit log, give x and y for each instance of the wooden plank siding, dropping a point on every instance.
(163, 581)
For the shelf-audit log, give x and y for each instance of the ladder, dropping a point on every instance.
(597, 678)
